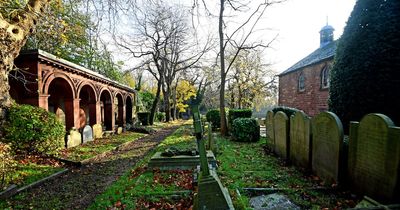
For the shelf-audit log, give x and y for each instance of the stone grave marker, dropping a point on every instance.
(269, 124)
(119, 130)
(374, 157)
(87, 134)
(300, 139)
(327, 144)
(281, 134)
(97, 131)
(74, 138)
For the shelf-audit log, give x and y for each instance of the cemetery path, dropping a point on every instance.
(78, 188)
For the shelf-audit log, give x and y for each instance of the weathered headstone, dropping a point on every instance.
(87, 134)
(374, 157)
(327, 144)
(74, 138)
(281, 134)
(119, 130)
(300, 131)
(269, 124)
(97, 131)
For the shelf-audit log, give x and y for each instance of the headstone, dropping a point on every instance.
(119, 130)
(281, 134)
(272, 202)
(87, 134)
(327, 137)
(74, 138)
(300, 131)
(97, 131)
(269, 124)
(374, 157)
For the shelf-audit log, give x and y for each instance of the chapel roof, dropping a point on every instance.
(317, 56)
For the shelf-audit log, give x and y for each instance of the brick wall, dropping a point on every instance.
(314, 98)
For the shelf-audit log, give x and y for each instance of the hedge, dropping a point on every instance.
(238, 113)
(214, 117)
(31, 129)
(245, 130)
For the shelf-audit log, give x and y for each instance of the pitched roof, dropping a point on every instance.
(318, 55)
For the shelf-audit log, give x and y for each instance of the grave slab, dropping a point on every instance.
(183, 162)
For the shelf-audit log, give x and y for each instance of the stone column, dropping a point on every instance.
(76, 107)
(44, 101)
(98, 112)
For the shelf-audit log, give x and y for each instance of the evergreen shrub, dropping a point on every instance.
(245, 130)
(160, 116)
(32, 129)
(289, 111)
(214, 117)
(238, 113)
(365, 75)
(144, 117)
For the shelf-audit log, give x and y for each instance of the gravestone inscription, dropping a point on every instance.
(327, 137)
(374, 157)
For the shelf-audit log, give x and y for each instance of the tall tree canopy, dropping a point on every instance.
(366, 74)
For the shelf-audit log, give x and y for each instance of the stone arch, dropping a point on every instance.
(61, 100)
(129, 109)
(49, 79)
(88, 97)
(119, 109)
(106, 100)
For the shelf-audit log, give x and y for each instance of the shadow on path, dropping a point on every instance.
(78, 188)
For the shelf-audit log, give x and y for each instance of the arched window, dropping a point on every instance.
(325, 77)
(301, 82)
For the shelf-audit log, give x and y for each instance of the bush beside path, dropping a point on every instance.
(78, 188)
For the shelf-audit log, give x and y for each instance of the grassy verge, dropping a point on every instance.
(28, 170)
(248, 165)
(142, 189)
(98, 146)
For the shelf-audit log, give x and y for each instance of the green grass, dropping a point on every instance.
(28, 173)
(139, 186)
(98, 146)
(247, 165)
(31, 172)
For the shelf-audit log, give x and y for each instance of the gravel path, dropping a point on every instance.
(78, 187)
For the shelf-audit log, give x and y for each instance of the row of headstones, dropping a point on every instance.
(369, 163)
(75, 138)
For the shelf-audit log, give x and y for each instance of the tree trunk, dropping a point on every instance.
(13, 36)
(155, 102)
(224, 127)
(174, 115)
(167, 96)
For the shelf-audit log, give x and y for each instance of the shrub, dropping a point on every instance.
(245, 130)
(238, 113)
(33, 129)
(7, 165)
(287, 110)
(160, 116)
(214, 117)
(146, 100)
(366, 73)
(144, 117)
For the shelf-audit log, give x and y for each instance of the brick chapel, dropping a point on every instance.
(305, 85)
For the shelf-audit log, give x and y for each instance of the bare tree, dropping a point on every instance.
(237, 38)
(161, 40)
